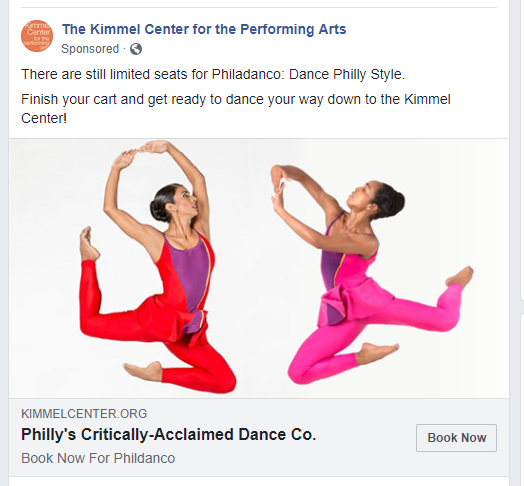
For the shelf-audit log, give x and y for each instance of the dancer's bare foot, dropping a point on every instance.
(87, 251)
(462, 278)
(370, 353)
(153, 372)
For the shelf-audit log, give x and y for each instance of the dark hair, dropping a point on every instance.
(164, 196)
(389, 202)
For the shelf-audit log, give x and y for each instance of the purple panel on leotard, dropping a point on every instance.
(333, 315)
(192, 268)
(329, 266)
(195, 324)
(330, 261)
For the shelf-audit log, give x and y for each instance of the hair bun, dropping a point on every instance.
(164, 196)
(159, 213)
(398, 203)
(389, 201)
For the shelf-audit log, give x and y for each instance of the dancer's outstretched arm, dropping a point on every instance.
(195, 177)
(289, 172)
(145, 234)
(365, 245)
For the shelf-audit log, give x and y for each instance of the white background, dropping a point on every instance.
(266, 286)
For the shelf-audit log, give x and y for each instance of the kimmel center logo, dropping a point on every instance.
(37, 35)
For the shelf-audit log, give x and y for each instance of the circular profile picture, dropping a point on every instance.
(37, 35)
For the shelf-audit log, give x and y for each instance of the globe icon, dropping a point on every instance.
(136, 49)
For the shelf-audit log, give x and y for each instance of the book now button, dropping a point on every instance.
(456, 438)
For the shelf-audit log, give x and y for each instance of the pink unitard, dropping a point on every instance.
(352, 301)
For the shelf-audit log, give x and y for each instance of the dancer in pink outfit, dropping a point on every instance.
(353, 300)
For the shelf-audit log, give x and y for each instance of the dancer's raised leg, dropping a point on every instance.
(121, 326)
(462, 278)
(441, 318)
(87, 250)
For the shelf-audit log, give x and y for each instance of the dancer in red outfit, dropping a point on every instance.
(185, 260)
(353, 300)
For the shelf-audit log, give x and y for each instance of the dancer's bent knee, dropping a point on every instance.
(447, 323)
(227, 384)
(298, 375)
(87, 327)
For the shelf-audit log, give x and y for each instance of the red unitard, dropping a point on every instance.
(176, 317)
